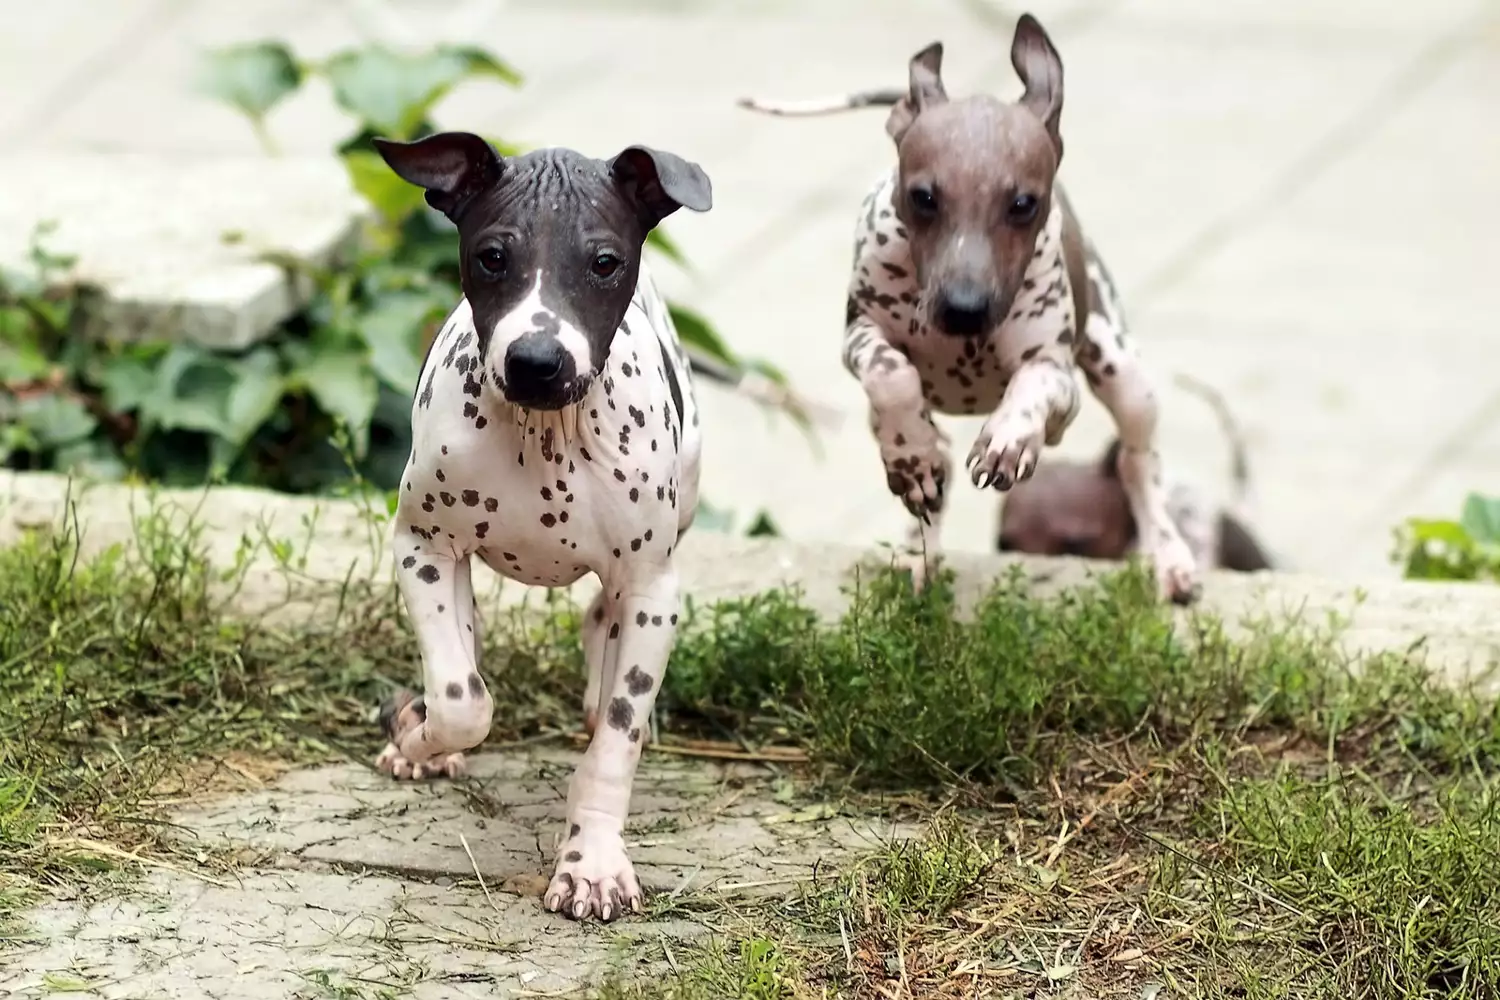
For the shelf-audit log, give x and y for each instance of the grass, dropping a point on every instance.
(1116, 804)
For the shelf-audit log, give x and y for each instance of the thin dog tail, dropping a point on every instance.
(824, 105)
(1239, 463)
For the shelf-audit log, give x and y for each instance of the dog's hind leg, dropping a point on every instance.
(1119, 380)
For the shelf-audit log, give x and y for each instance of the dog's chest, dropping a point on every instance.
(542, 497)
(960, 375)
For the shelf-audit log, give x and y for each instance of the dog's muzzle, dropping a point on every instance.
(963, 312)
(539, 374)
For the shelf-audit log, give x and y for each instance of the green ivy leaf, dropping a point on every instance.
(388, 194)
(251, 77)
(1481, 518)
(55, 421)
(668, 248)
(697, 334)
(711, 518)
(21, 357)
(344, 384)
(393, 92)
(129, 383)
(92, 459)
(392, 329)
(258, 388)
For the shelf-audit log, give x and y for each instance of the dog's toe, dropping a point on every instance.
(390, 761)
(594, 880)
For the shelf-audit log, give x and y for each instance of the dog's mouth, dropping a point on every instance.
(548, 395)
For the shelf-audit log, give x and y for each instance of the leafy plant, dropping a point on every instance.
(322, 404)
(1466, 549)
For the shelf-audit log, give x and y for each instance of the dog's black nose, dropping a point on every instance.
(963, 311)
(536, 368)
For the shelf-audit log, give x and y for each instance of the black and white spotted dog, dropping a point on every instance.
(554, 434)
(974, 291)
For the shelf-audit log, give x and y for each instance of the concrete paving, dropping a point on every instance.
(1296, 196)
(354, 885)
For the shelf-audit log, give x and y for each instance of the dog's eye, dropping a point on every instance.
(923, 199)
(1022, 209)
(492, 260)
(605, 264)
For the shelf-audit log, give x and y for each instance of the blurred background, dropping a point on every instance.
(206, 276)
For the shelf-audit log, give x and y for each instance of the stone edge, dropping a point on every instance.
(1455, 625)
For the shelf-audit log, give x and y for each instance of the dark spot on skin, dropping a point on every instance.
(637, 681)
(546, 493)
(448, 499)
(674, 619)
(440, 477)
(619, 475)
(573, 856)
(656, 619)
(640, 618)
(429, 574)
(573, 831)
(563, 517)
(548, 520)
(476, 685)
(635, 736)
(455, 690)
(621, 714)
(617, 553)
(491, 505)
(1109, 370)
(647, 535)
(408, 562)
(470, 498)
(635, 545)
(614, 631)
(481, 529)
(635, 495)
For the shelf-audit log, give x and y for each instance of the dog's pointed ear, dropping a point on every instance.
(452, 167)
(1040, 69)
(659, 183)
(925, 90)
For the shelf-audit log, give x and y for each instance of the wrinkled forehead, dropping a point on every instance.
(550, 188)
(978, 146)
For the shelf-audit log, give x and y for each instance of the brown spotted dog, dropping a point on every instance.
(975, 292)
(1080, 509)
(554, 435)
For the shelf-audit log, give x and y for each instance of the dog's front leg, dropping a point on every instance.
(912, 448)
(429, 732)
(1039, 404)
(594, 876)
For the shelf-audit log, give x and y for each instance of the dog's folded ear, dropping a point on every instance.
(925, 90)
(452, 167)
(660, 183)
(1040, 69)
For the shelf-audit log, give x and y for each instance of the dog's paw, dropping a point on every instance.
(1176, 572)
(1006, 451)
(594, 879)
(391, 762)
(916, 465)
(400, 715)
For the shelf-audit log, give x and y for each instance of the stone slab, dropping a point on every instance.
(352, 878)
(174, 242)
